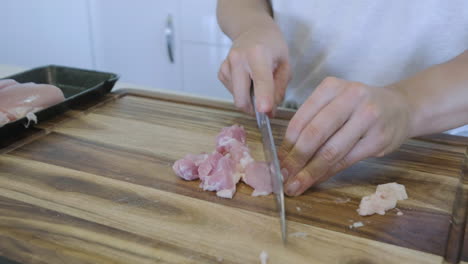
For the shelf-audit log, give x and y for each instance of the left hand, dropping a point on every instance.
(341, 123)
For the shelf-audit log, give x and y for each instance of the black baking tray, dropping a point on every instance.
(76, 84)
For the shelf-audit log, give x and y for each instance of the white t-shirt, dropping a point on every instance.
(376, 42)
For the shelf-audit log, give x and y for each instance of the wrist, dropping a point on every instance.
(263, 22)
(414, 112)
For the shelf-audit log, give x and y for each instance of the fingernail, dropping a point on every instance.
(273, 112)
(293, 187)
(263, 106)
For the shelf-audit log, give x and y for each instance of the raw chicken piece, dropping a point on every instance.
(257, 175)
(221, 170)
(208, 165)
(222, 179)
(17, 100)
(299, 234)
(394, 190)
(229, 135)
(7, 82)
(356, 225)
(187, 168)
(385, 198)
(375, 203)
(245, 160)
(237, 149)
(263, 257)
(240, 154)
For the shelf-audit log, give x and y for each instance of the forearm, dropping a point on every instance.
(237, 16)
(438, 96)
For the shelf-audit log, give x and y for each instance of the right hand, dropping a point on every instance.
(259, 54)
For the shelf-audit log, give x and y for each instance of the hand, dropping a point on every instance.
(259, 54)
(341, 123)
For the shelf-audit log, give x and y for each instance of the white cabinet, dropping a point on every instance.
(200, 70)
(204, 47)
(199, 23)
(35, 33)
(130, 39)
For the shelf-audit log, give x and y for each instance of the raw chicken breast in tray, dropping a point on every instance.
(18, 100)
(46, 92)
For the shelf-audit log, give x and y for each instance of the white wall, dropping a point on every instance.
(35, 33)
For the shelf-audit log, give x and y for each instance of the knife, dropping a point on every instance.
(269, 150)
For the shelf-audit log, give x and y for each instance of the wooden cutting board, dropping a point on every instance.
(95, 185)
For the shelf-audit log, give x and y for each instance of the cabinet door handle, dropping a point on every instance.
(169, 32)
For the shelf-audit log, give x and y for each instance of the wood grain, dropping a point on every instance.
(185, 222)
(97, 187)
(78, 240)
(319, 208)
(458, 233)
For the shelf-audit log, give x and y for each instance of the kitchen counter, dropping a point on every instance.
(6, 70)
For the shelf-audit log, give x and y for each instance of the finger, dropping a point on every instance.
(282, 76)
(262, 76)
(240, 80)
(224, 75)
(334, 150)
(281, 153)
(365, 148)
(323, 95)
(319, 130)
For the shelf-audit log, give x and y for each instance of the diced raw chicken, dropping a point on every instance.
(299, 234)
(239, 152)
(187, 168)
(229, 135)
(263, 257)
(208, 165)
(375, 203)
(357, 224)
(385, 198)
(221, 177)
(227, 193)
(17, 100)
(216, 173)
(237, 149)
(245, 160)
(221, 170)
(393, 190)
(257, 175)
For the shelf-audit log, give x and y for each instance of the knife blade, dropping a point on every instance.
(271, 157)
